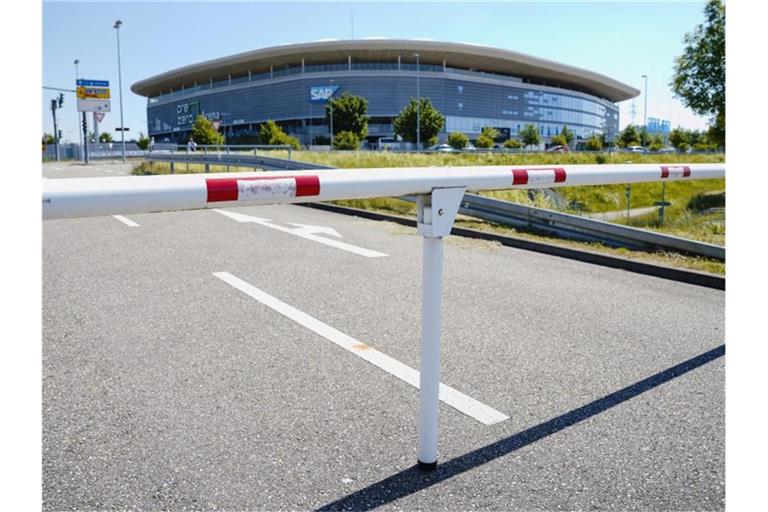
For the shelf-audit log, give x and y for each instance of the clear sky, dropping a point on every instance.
(623, 40)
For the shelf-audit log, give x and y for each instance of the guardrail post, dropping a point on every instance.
(436, 213)
(171, 167)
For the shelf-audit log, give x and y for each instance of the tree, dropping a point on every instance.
(530, 135)
(346, 140)
(594, 143)
(203, 132)
(558, 140)
(458, 140)
(349, 114)
(628, 137)
(699, 76)
(271, 134)
(487, 137)
(657, 142)
(568, 135)
(431, 121)
(143, 142)
(512, 144)
(48, 139)
(679, 139)
(105, 137)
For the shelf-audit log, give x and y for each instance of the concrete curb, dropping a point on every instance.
(684, 276)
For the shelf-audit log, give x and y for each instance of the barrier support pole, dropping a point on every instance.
(435, 213)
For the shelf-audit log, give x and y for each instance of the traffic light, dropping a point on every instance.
(61, 135)
(61, 99)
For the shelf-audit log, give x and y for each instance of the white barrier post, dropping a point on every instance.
(435, 214)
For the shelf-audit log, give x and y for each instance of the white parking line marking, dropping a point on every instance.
(305, 231)
(126, 221)
(459, 401)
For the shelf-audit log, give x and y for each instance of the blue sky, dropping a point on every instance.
(623, 40)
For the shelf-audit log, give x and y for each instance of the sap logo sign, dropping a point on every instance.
(322, 93)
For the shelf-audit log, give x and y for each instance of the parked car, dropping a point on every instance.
(470, 147)
(558, 149)
(443, 148)
(635, 149)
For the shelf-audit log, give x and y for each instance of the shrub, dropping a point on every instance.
(594, 143)
(483, 141)
(346, 140)
(558, 140)
(705, 201)
(458, 140)
(512, 144)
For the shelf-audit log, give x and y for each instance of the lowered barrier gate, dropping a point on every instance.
(548, 222)
(439, 193)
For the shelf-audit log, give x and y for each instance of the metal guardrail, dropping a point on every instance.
(230, 160)
(540, 220)
(574, 227)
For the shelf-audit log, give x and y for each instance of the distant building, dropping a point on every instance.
(473, 86)
(658, 126)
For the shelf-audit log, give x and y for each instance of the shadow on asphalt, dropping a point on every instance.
(413, 480)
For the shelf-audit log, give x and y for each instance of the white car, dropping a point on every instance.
(635, 149)
(442, 148)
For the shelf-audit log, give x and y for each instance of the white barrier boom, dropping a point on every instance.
(85, 197)
(439, 192)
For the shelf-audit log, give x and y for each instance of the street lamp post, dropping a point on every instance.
(330, 106)
(418, 105)
(116, 26)
(645, 111)
(77, 121)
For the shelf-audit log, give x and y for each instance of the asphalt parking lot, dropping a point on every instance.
(165, 387)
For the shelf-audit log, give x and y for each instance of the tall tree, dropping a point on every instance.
(203, 132)
(105, 137)
(567, 134)
(431, 122)
(628, 137)
(529, 136)
(349, 114)
(699, 78)
(270, 133)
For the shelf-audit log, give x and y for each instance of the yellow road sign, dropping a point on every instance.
(101, 93)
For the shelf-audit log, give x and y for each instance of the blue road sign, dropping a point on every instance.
(81, 82)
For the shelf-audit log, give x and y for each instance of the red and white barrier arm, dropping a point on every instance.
(88, 197)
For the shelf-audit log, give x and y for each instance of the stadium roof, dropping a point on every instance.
(456, 55)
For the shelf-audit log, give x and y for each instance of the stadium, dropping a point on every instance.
(472, 86)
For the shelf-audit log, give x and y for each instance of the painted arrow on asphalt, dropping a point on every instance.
(306, 231)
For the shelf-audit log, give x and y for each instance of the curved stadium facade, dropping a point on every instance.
(472, 86)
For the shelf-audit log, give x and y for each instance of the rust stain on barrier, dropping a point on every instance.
(361, 347)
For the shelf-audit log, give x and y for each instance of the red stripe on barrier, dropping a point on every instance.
(559, 175)
(307, 186)
(519, 176)
(664, 172)
(686, 171)
(221, 189)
